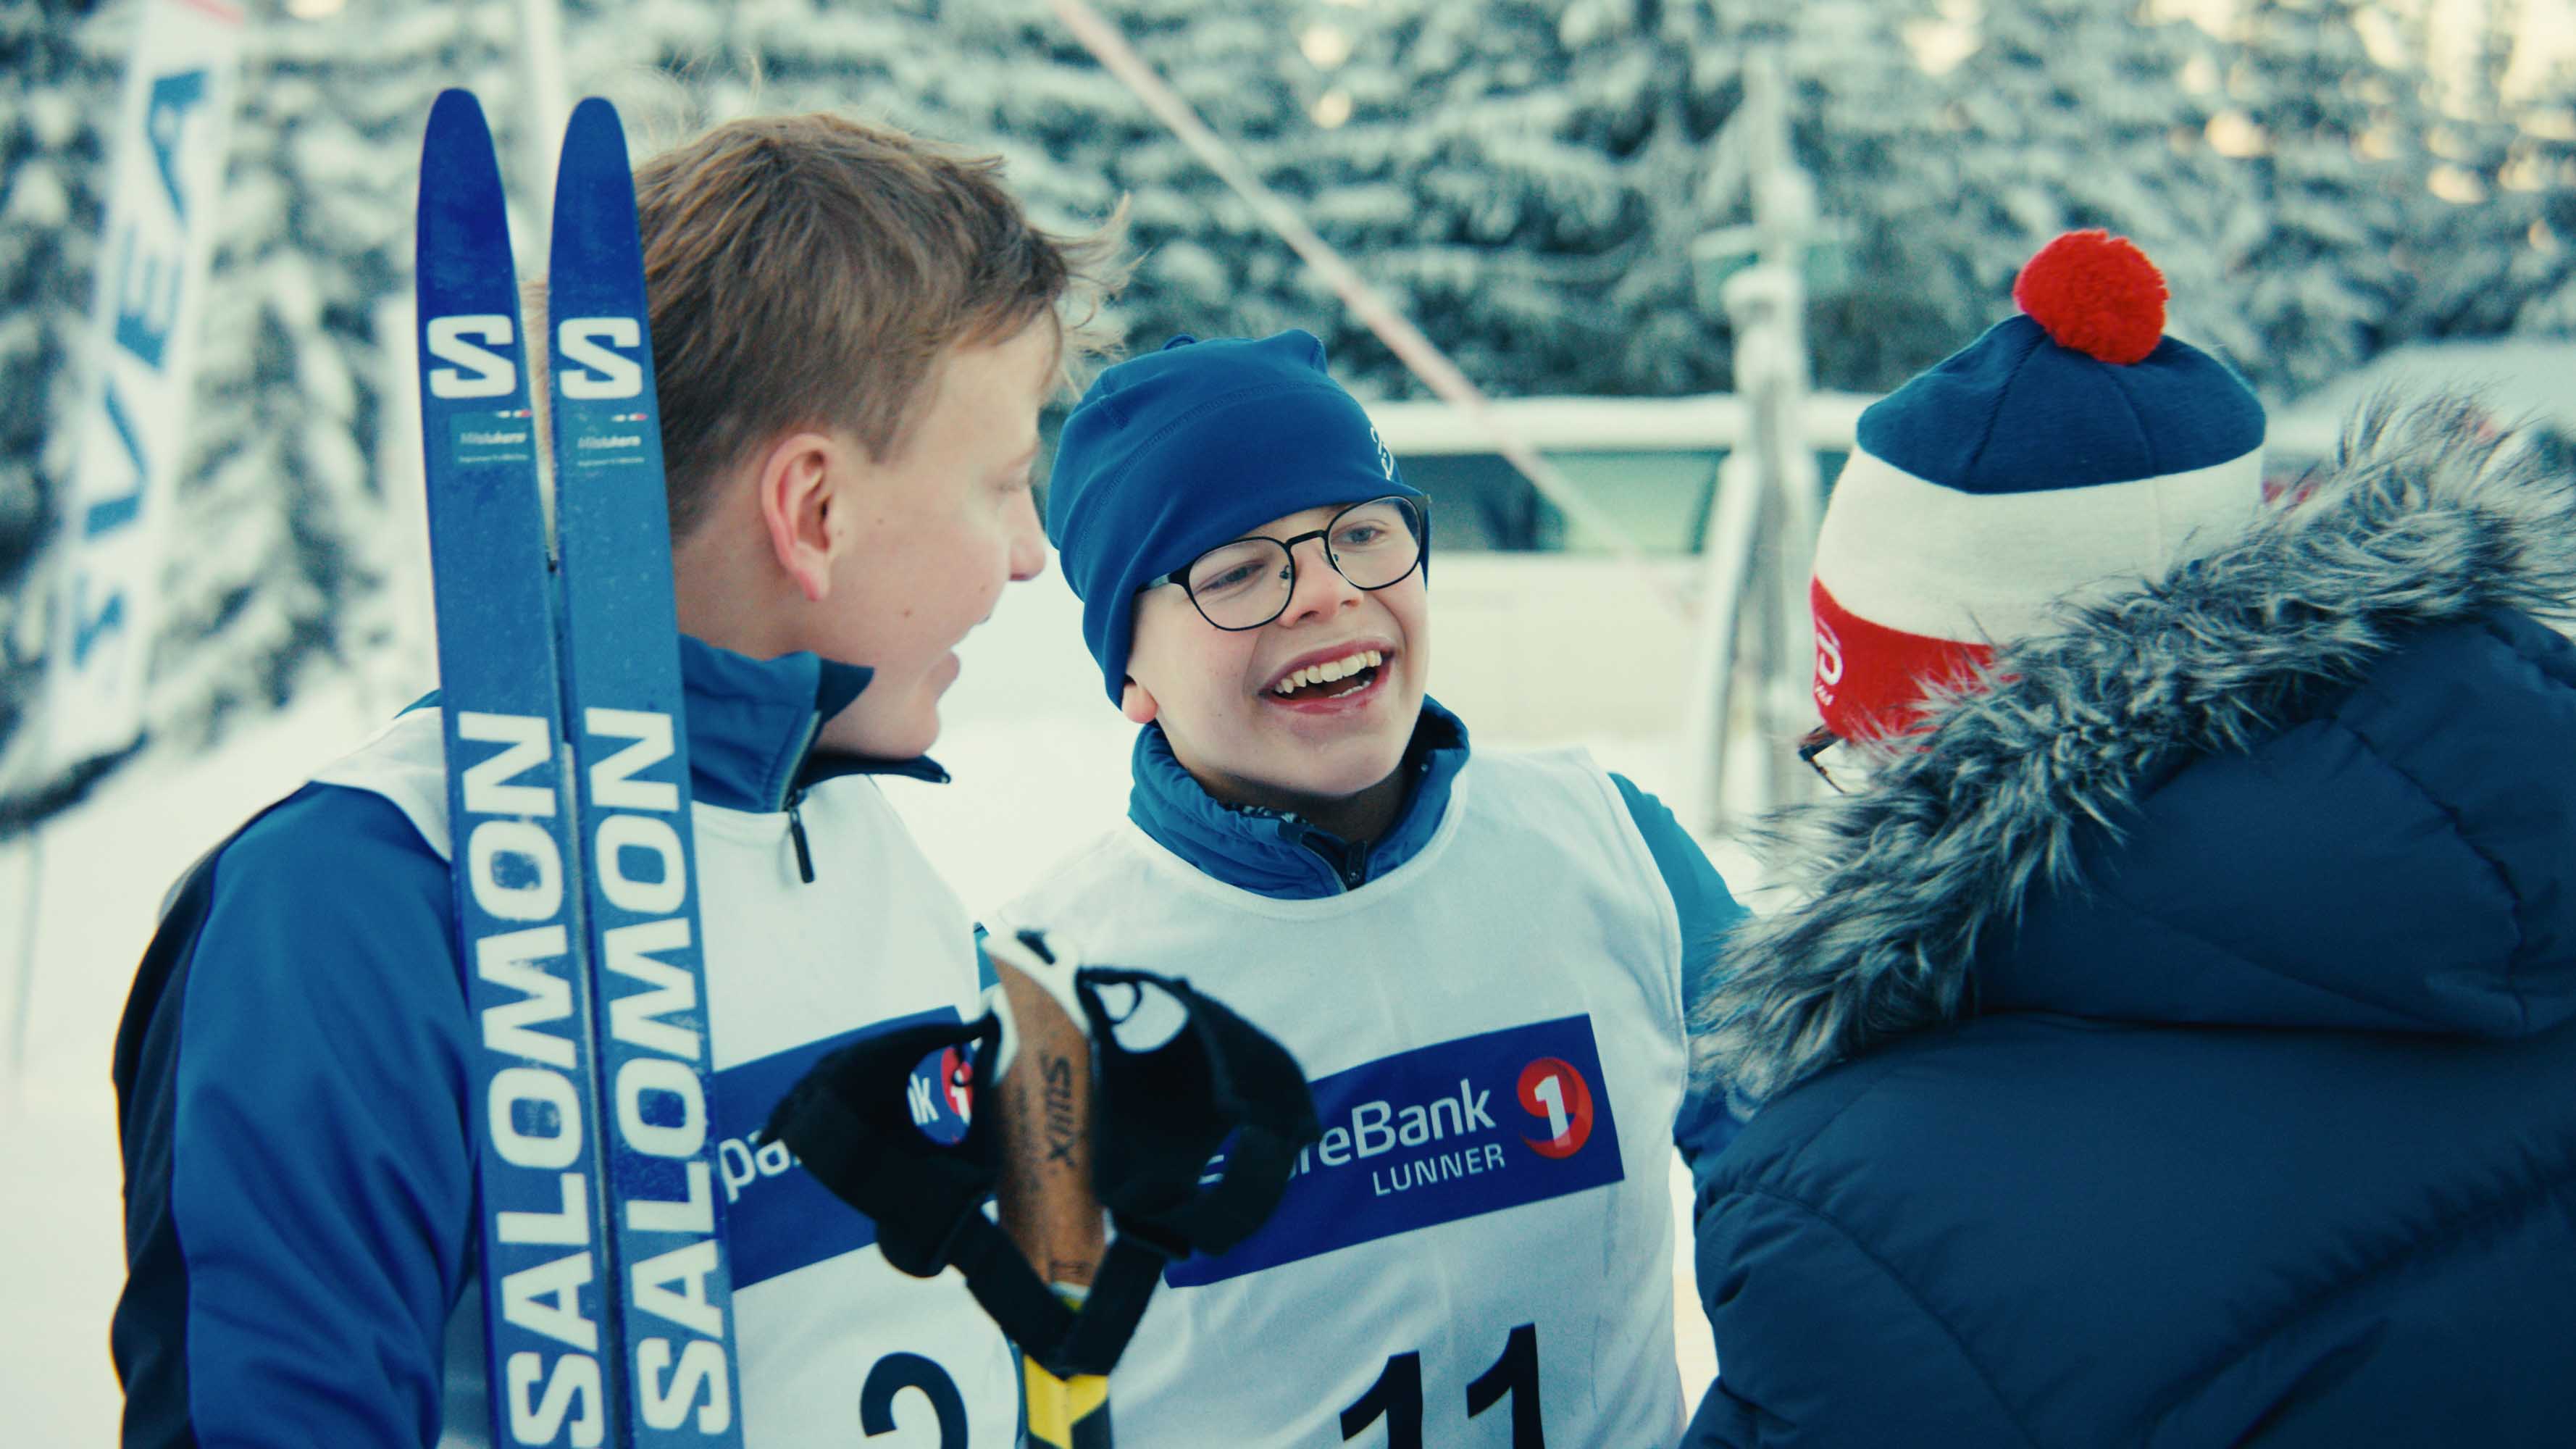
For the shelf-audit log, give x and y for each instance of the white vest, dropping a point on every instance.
(1494, 1031)
(831, 1340)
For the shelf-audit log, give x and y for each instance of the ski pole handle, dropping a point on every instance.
(1045, 1197)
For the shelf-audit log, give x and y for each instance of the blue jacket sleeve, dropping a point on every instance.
(299, 1176)
(1708, 912)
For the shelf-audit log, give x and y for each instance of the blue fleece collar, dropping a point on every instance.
(752, 724)
(1276, 854)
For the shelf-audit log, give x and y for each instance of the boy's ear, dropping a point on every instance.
(802, 482)
(1137, 703)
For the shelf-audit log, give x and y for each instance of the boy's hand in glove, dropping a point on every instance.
(1096, 1087)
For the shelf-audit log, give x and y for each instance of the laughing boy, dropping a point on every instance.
(1482, 961)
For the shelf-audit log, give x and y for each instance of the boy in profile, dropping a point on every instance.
(853, 334)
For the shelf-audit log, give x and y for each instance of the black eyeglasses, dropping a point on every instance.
(1811, 748)
(1247, 583)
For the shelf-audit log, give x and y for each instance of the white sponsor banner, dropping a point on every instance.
(161, 215)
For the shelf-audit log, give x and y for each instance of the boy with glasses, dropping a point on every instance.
(1483, 962)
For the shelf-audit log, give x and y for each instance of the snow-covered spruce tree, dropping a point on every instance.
(675, 67)
(2073, 113)
(2337, 166)
(2547, 158)
(1458, 153)
(1520, 177)
(58, 97)
(983, 76)
(1867, 123)
(279, 507)
(1524, 176)
(2502, 231)
(274, 525)
(2467, 241)
(1002, 77)
(1077, 143)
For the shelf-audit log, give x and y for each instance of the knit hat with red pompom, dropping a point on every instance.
(2069, 449)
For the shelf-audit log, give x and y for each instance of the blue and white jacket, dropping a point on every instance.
(293, 1085)
(1489, 1002)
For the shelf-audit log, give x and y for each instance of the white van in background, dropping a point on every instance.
(1543, 634)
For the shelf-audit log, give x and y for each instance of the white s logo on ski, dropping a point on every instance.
(492, 375)
(587, 340)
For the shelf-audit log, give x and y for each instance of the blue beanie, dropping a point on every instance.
(1170, 454)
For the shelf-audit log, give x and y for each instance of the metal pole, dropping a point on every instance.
(1762, 534)
(1784, 216)
(23, 989)
(541, 76)
(1729, 566)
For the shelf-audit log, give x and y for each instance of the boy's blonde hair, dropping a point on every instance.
(810, 270)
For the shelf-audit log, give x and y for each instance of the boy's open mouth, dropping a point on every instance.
(1330, 679)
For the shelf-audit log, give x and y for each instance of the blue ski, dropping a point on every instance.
(623, 711)
(535, 1105)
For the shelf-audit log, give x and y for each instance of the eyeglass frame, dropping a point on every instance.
(1815, 742)
(1422, 550)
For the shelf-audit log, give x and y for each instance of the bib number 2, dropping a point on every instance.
(897, 1372)
(1396, 1397)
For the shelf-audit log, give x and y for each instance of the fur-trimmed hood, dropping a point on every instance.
(2324, 776)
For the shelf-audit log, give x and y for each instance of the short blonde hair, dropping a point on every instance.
(811, 270)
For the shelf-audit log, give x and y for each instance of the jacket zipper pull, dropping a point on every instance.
(796, 836)
(1349, 865)
(1355, 869)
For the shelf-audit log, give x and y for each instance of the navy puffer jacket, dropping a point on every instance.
(2180, 1048)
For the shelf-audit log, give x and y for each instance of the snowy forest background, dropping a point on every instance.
(2321, 179)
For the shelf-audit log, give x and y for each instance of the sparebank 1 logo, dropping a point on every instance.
(1556, 1094)
(1429, 1136)
(942, 1095)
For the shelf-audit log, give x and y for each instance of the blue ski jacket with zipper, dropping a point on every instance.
(293, 1089)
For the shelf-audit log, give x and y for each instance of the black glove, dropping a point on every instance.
(1216, 1083)
(1177, 1079)
(849, 1120)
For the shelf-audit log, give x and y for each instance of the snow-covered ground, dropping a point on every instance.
(1040, 761)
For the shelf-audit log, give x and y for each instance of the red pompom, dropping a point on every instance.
(2096, 293)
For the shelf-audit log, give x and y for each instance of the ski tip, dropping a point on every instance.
(456, 130)
(594, 212)
(460, 224)
(594, 123)
(455, 109)
(457, 166)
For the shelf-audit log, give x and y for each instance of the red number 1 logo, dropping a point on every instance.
(1556, 1093)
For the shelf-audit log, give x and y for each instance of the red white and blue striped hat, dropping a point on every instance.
(2069, 449)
